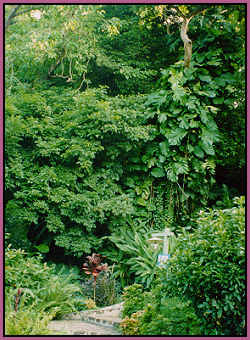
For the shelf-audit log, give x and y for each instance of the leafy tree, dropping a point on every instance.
(104, 122)
(191, 106)
(73, 187)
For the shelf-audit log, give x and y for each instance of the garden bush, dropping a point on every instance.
(133, 299)
(37, 292)
(208, 268)
(172, 317)
(153, 313)
(130, 325)
(136, 258)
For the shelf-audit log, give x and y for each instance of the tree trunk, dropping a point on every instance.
(187, 42)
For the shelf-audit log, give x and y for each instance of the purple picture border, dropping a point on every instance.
(2, 2)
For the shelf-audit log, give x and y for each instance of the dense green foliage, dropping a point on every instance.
(207, 270)
(208, 267)
(110, 135)
(133, 299)
(134, 256)
(152, 313)
(37, 292)
(66, 188)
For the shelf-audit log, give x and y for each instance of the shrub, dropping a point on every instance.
(48, 289)
(133, 299)
(36, 291)
(152, 313)
(209, 269)
(136, 257)
(27, 322)
(172, 317)
(130, 325)
(90, 304)
(23, 271)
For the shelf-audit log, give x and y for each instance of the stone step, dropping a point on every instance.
(109, 316)
(76, 327)
(103, 321)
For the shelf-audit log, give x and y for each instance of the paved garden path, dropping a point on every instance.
(103, 321)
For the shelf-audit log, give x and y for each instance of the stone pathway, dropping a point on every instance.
(104, 321)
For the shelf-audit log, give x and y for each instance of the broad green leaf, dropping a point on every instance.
(151, 162)
(130, 182)
(208, 93)
(171, 175)
(179, 93)
(162, 118)
(218, 100)
(212, 108)
(181, 167)
(198, 152)
(184, 124)
(175, 136)
(215, 62)
(162, 159)
(43, 248)
(219, 313)
(204, 116)
(158, 172)
(205, 78)
(194, 123)
(164, 147)
(208, 148)
(190, 148)
(209, 136)
(127, 248)
(141, 201)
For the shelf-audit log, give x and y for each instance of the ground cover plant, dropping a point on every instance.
(122, 121)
